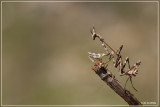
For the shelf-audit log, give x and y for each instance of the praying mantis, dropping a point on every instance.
(116, 57)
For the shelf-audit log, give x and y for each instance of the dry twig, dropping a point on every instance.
(115, 85)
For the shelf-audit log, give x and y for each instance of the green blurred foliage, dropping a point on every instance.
(45, 49)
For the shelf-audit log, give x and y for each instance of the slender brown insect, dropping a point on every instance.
(118, 62)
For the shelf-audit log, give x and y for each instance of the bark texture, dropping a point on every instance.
(115, 85)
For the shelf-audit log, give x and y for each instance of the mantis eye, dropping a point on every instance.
(138, 62)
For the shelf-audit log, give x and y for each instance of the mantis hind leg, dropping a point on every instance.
(132, 84)
(126, 82)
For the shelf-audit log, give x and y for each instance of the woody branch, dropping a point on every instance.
(115, 85)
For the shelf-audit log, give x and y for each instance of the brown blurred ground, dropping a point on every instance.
(45, 49)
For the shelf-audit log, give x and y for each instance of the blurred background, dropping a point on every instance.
(46, 45)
